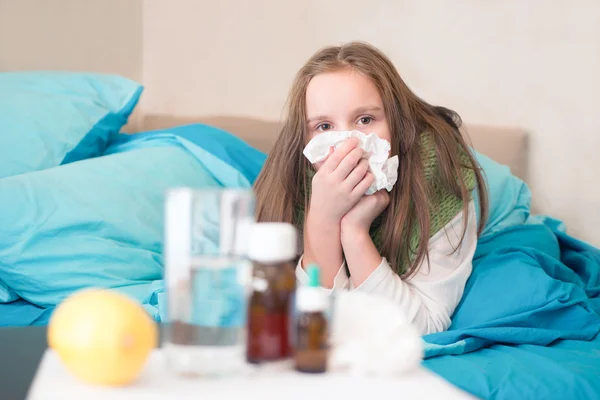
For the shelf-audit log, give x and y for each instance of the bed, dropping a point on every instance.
(83, 172)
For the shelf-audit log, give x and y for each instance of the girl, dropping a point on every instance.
(413, 245)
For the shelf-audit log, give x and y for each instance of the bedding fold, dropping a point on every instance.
(529, 322)
(531, 284)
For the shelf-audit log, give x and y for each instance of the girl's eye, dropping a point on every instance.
(324, 127)
(366, 120)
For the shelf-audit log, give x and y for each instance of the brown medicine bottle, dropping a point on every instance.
(311, 350)
(272, 248)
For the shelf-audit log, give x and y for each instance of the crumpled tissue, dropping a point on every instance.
(384, 169)
(370, 335)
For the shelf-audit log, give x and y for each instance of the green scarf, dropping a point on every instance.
(444, 206)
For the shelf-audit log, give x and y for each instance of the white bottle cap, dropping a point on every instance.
(311, 299)
(272, 242)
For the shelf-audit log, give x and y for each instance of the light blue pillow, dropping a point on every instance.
(96, 222)
(52, 118)
(509, 198)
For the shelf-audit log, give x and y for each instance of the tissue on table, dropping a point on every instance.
(370, 335)
(384, 169)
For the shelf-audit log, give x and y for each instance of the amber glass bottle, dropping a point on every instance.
(272, 249)
(311, 350)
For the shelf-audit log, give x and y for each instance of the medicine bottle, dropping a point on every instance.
(311, 350)
(272, 248)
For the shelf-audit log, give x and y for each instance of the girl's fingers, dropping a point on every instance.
(363, 185)
(357, 174)
(334, 160)
(348, 164)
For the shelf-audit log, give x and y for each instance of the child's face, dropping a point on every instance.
(345, 100)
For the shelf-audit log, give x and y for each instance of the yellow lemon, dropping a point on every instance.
(102, 337)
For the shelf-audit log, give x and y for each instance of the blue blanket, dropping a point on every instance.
(527, 326)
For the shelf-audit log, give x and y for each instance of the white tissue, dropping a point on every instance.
(384, 169)
(371, 336)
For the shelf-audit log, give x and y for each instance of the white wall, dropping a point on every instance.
(530, 63)
(99, 36)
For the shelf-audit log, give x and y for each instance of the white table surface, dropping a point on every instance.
(52, 381)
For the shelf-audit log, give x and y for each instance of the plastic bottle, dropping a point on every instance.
(311, 325)
(272, 249)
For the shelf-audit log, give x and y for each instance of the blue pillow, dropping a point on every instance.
(92, 223)
(509, 198)
(52, 118)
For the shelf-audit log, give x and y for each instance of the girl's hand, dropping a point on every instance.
(340, 182)
(362, 256)
(361, 216)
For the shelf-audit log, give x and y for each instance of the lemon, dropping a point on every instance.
(102, 337)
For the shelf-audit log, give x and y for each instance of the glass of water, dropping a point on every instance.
(207, 276)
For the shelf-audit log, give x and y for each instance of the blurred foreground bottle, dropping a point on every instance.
(272, 249)
(311, 325)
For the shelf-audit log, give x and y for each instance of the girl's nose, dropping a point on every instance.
(346, 127)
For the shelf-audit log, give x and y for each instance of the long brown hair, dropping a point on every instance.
(280, 186)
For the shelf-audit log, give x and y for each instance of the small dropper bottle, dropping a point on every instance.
(311, 325)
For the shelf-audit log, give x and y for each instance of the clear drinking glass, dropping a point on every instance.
(207, 276)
